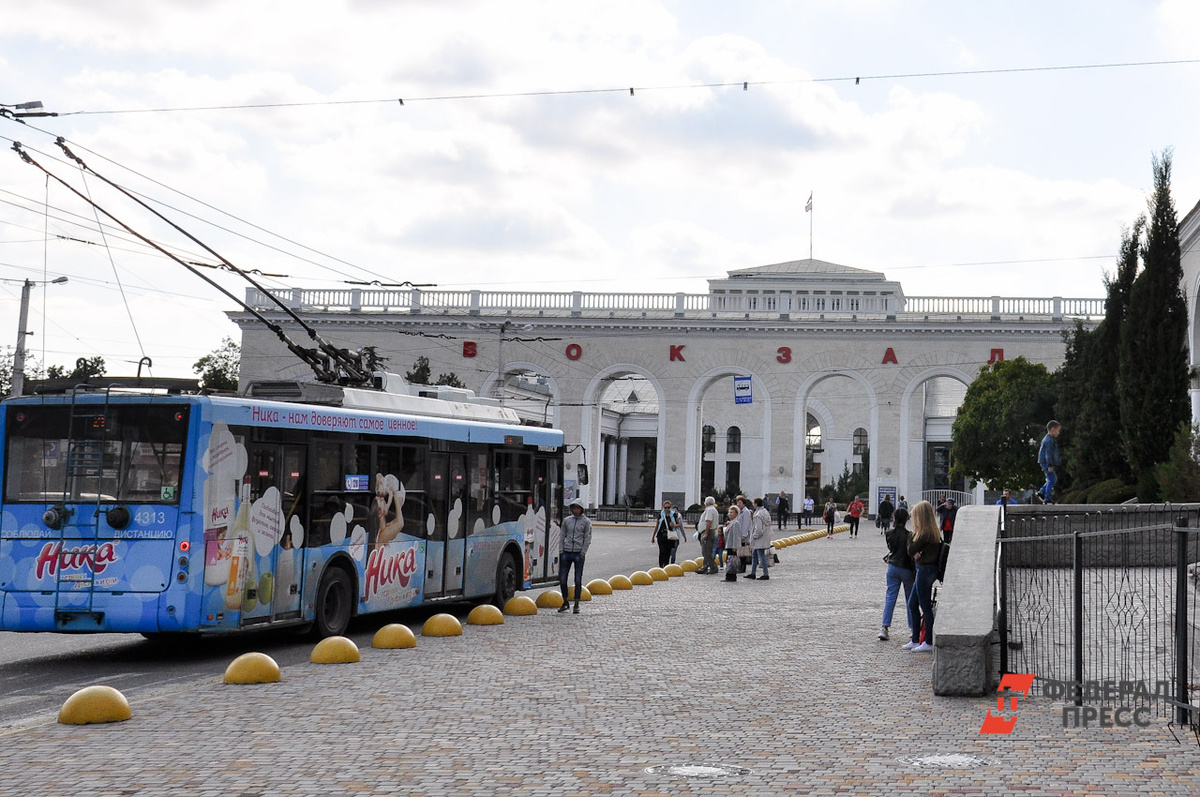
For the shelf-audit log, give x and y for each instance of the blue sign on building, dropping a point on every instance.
(742, 394)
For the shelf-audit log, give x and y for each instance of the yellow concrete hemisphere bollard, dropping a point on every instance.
(94, 704)
(673, 571)
(442, 625)
(550, 599)
(485, 614)
(394, 636)
(641, 578)
(620, 582)
(335, 650)
(689, 566)
(699, 563)
(583, 596)
(598, 586)
(252, 668)
(520, 606)
(658, 574)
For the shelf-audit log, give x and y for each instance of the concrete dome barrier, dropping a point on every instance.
(442, 625)
(585, 595)
(394, 636)
(698, 562)
(335, 650)
(620, 582)
(94, 704)
(689, 566)
(252, 668)
(658, 574)
(598, 586)
(520, 606)
(673, 571)
(550, 599)
(485, 614)
(641, 578)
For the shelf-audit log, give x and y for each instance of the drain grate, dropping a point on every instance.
(697, 770)
(948, 761)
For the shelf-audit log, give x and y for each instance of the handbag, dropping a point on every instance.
(744, 552)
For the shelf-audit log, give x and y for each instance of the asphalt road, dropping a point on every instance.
(40, 671)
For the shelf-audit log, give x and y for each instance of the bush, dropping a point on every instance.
(1112, 491)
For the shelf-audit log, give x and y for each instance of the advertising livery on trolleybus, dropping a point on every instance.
(156, 512)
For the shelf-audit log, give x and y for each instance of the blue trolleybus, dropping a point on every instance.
(160, 512)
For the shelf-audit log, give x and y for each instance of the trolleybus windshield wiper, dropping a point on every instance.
(328, 362)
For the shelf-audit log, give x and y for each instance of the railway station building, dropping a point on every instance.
(779, 379)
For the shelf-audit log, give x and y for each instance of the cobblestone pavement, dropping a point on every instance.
(784, 678)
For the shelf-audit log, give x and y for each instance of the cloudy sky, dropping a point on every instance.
(1013, 183)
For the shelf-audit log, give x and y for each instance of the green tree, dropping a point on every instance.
(219, 368)
(85, 367)
(1153, 375)
(1088, 403)
(422, 373)
(1000, 424)
(1179, 477)
(33, 370)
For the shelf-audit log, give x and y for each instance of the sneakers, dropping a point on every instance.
(883, 634)
(909, 645)
(923, 647)
(564, 608)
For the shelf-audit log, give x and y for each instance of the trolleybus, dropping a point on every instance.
(159, 512)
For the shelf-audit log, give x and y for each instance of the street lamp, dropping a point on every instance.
(18, 372)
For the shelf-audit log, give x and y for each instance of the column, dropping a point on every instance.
(622, 469)
(610, 471)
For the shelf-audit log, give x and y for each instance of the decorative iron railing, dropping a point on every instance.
(1095, 598)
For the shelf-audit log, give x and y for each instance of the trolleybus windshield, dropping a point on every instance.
(126, 453)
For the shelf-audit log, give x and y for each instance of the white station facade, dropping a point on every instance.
(779, 379)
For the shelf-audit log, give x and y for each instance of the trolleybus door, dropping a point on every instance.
(277, 484)
(548, 527)
(456, 525)
(445, 550)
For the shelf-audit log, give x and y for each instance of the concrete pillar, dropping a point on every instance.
(622, 469)
(610, 471)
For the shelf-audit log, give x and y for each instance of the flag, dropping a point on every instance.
(808, 206)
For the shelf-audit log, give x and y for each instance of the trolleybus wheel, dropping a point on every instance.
(333, 603)
(506, 579)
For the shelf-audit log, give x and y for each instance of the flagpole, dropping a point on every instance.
(810, 228)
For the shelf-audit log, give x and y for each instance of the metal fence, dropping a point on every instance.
(1089, 598)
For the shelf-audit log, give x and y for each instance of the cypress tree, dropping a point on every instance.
(1153, 374)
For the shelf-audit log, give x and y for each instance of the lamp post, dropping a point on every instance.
(18, 373)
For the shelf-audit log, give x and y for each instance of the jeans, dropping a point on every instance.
(920, 602)
(674, 549)
(896, 578)
(565, 560)
(759, 555)
(1047, 490)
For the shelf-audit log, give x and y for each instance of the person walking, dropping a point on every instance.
(854, 512)
(925, 548)
(706, 532)
(666, 532)
(900, 571)
(1049, 460)
(830, 517)
(745, 525)
(760, 540)
(886, 510)
(733, 541)
(577, 538)
(809, 506)
(782, 507)
(902, 503)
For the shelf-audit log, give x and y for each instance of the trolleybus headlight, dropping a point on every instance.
(118, 517)
(183, 561)
(56, 516)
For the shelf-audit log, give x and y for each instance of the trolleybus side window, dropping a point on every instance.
(513, 481)
(340, 482)
(413, 478)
